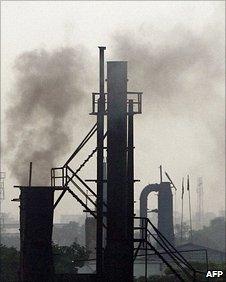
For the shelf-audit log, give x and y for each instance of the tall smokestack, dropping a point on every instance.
(117, 262)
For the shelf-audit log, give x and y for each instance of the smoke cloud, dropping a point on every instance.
(39, 119)
(179, 66)
(181, 73)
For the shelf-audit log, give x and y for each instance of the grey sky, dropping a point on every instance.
(181, 145)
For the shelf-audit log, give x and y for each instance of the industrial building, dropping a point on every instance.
(112, 203)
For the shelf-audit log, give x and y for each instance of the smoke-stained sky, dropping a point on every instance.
(175, 53)
(48, 86)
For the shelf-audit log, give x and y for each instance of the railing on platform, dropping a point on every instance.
(136, 97)
(163, 250)
(65, 176)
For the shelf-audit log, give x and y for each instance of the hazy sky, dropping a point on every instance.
(175, 52)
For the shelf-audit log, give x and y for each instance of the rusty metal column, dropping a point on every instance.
(100, 156)
(130, 188)
(116, 254)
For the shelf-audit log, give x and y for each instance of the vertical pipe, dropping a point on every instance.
(130, 183)
(130, 166)
(100, 145)
(104, 201)
(175, 204)
(30, 174)
(63, 177)
(101, 69)
(118, 267)
(189, 197)
(182, 212)
(144, 202)
(87, 192)
(160, 169)
(130, 162)
(146, 250)
(51, 177)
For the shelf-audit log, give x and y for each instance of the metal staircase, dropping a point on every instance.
(163, 250)
(70, 179)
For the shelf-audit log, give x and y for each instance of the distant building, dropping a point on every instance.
(11, 225)
(64, 234)
(90, 235)
(222, 213)
(66, 218)
(11, 240)
(198, 253)
(155, 266)
(191, 252)
(207, 217)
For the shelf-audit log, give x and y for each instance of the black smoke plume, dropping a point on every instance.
(181, 73)
(39, 121)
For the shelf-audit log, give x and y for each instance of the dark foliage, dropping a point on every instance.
(67, 259)
(9, 264)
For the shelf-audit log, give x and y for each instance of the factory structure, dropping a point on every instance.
(110, 223)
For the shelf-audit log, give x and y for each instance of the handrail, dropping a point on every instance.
(175, 251)
(162, 236)
(166, 262)
(166, 246)
(85, 184)
(74, 174)
(81, 145)
(86, 160)
(81, 202)
(84, 194)
(173, 258)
